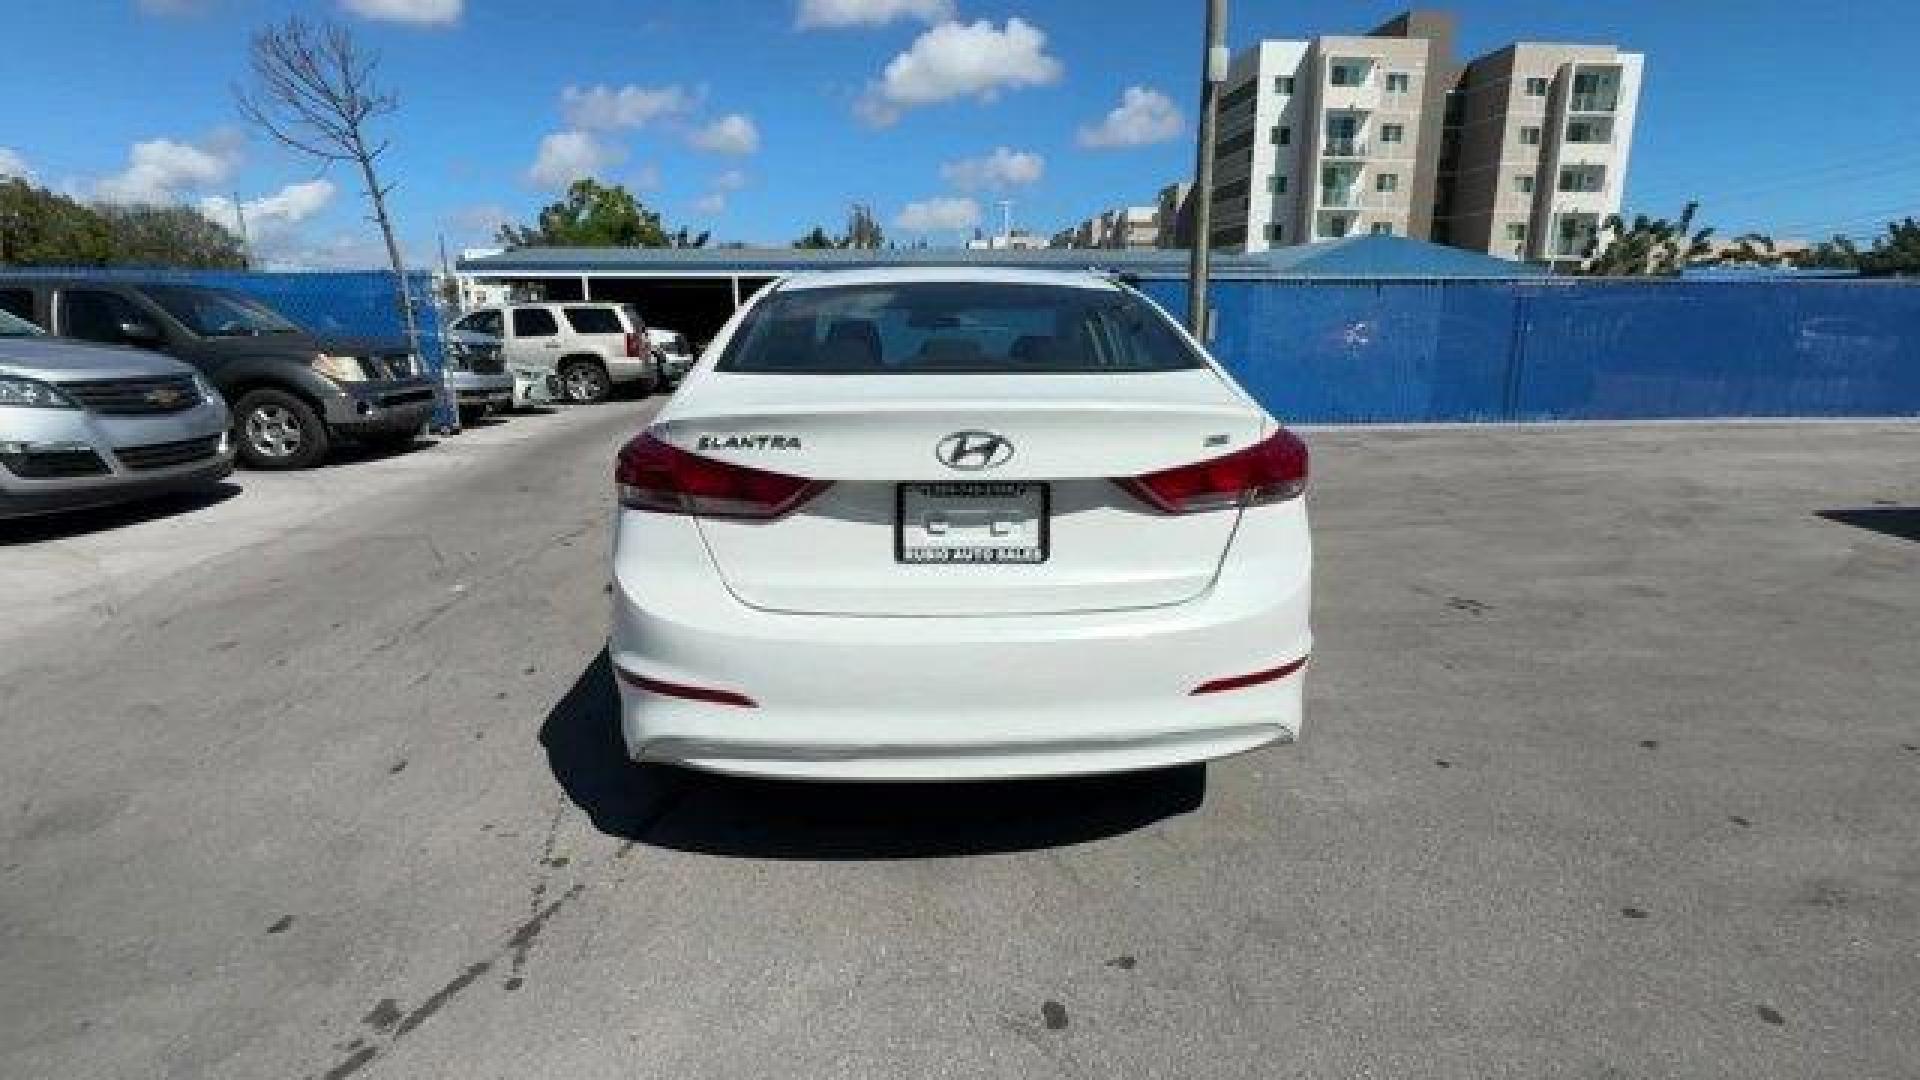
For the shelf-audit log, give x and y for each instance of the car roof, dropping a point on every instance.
(986, 275)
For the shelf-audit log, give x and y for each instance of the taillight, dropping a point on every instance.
(633, 344)
(655, 475)
(1269, 471)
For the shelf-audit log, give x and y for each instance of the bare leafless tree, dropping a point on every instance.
(315, 90)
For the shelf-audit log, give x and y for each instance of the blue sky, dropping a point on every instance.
(758, 118)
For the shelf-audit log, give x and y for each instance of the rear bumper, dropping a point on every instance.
(868, 698)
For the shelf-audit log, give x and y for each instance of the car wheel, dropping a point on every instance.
(585, 382)
(277, 430)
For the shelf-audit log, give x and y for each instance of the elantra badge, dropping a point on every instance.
(971, 451)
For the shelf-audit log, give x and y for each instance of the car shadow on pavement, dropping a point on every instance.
(74, 523)
(1900, 521)
(686, 810)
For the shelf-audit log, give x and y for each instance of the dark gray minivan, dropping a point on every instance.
(293, 393)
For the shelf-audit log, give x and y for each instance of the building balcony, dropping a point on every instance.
(1344, 148)
(1595, 102)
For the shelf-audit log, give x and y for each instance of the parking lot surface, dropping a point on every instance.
(1611, 769)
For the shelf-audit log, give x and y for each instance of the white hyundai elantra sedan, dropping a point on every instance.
(955, 523)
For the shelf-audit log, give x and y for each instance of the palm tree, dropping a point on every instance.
(1650, 247)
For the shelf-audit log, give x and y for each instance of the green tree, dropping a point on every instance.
(591, 215)
(1839, 253)
(681, 238)
(816, 240)
(1897, 254)
(863, 229)
(1751, 249)
(170, 236)
(1649, 247)
(40, 228)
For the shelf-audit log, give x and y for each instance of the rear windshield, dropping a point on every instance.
(595, 320)
(955, 327)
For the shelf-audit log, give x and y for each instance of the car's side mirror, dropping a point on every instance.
(144, 334)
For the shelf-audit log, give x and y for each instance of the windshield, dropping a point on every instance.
(986, 327)
(12, 326)
(219, 314)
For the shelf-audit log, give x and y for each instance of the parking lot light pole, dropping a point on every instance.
(1213, 72)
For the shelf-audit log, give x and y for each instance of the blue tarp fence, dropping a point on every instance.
(1414, 351)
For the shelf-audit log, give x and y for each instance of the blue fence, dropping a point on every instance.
(1347, 351)
(1438, 350)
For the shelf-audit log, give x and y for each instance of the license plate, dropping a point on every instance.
(971, 523)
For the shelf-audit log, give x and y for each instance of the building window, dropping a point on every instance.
(1397, 82)
(1275, 233)
(1536, 87)
(1583, 178)
(1392, 133)
(1381, 228)
(1277, 184)
(1387, 181)
(1530, 136)
(1283, 84)
(1282, 135)
(1523, 183)
(1347, 74)
(1517, 231)
(1588, 131)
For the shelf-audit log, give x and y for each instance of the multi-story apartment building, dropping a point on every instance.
(1173, 216)
(1385, 133)
(1541, 136)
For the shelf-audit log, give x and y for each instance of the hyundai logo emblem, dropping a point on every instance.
(972, 451)
(163, 397)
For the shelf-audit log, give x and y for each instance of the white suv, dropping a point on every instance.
(590, 347)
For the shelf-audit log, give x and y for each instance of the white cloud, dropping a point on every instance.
(955, 60)
(1143, 116)
(161, 170)
(361, 250)
(12, 164)
(734, 133)
(714, 202)
(939, 215)
(1001, 169)
(481, 219)
(644, 178)
(816, 13)
(607, 108)
(418, 12)
(566, 156)
(290, 205)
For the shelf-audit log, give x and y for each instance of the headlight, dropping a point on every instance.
(345, 369)
(22, 393)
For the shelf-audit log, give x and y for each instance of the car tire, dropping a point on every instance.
(585, 382)
(274, 429)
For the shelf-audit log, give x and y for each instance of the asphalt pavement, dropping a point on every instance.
(1611, 770)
